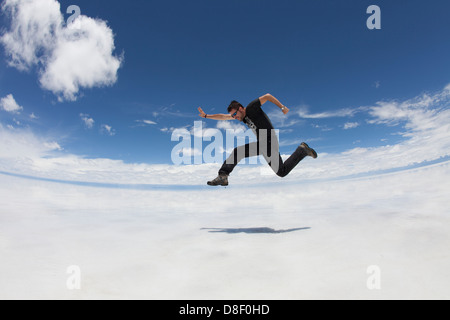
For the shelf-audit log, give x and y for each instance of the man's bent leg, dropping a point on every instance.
(287, 166)
(302, 151)
(272, 155)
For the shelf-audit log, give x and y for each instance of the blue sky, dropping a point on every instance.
(316, 57)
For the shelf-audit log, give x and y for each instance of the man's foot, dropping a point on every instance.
(309, 151)
(221, 180)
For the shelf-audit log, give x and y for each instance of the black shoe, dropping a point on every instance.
(221, 180)
(309, 151)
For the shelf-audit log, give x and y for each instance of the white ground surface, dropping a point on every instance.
(156, 244)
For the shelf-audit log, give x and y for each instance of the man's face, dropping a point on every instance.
(238, 114)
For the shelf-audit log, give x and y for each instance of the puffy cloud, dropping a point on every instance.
(34, 24)
(9, 104)
(231, 125)
(351, 125)
(68, 58)
(88, 121)
(81, 58)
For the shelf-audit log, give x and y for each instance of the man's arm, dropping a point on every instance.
(214, 116)
(271, 98)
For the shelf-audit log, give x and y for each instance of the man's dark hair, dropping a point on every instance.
(234, 105)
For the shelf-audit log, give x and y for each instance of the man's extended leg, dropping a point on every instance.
(238, 154)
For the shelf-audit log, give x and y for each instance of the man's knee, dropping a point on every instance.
(282, 173)
(278, 167)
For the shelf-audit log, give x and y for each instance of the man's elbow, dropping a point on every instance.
(265, 98)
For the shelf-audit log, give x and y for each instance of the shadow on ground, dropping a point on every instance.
(251, 230)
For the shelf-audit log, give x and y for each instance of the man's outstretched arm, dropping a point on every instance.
(271, 98)
(214, 116)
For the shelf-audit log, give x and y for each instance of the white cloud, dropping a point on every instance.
(148, 122)
(341, 113)
(107, 129)
(323, 128)
(418, 113)
(168, 130)
(142, 123)
(88, 121)
(426, 121)
(351, 125)
(199, 130)
(24, 144)
(32, 31)
(52, 146)
(68, 58)
(10, 105)
(231, 125)
(81, 58)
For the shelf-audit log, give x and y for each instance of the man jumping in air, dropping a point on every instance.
(267, 141)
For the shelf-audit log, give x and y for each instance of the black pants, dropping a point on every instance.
(270, 151)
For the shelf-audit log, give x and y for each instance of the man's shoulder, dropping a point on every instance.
(254, 105)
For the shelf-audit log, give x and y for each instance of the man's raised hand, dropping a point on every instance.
(202, 113)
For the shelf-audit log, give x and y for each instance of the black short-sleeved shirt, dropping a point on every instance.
(256, 119)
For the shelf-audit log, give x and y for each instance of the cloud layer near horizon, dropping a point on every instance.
(67, 57)
(425, 122)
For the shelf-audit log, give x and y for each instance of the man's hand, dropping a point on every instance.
(285, 110)
(202, 113)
